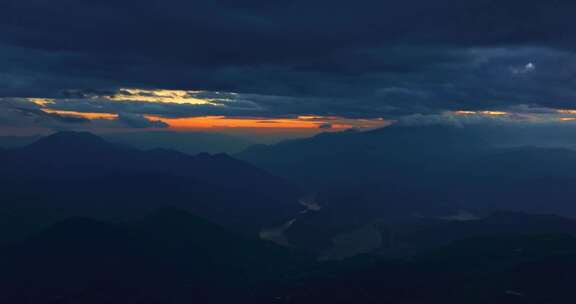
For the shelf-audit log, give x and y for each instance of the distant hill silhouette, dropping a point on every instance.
(401, 174)
(72, 173)
(418, 167)
(186, 142)
(341, 155)
(9, 142)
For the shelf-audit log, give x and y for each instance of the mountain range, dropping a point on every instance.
(393, 218)
(77, 174)
(402, 174)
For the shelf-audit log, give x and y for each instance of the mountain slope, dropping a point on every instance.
(450, 166)
(186, 142)
(82, 174)
(401, 174)
(169, 252)
(334, 156)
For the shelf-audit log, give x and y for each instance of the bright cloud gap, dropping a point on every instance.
(221, 111)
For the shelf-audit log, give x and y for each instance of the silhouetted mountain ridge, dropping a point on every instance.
(70, 139)
(82, 172)
(453, 166)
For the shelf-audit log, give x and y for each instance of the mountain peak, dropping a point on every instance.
(70, 140)
(71, 136)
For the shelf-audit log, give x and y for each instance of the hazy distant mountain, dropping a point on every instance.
(388, 154)
(82, 174)
(401, 174)
(17, 141)
(186, 142)
(425, 166)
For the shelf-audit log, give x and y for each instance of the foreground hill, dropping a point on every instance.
(525, 269)
(170, 255)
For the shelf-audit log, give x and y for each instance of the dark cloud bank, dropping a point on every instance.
(354, 59)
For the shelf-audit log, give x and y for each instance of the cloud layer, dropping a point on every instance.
(353, 59)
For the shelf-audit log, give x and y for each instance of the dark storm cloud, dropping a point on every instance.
(356, 59)
(22, 113)
(17, 113)
(139, 121)
(40, 115)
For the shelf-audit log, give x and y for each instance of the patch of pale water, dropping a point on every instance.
(276, 234)
(310, 203)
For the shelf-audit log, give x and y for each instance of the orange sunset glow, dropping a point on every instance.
(206, 122)
(302, 122)
(307, 122)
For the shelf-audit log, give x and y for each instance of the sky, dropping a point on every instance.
(295, 66)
